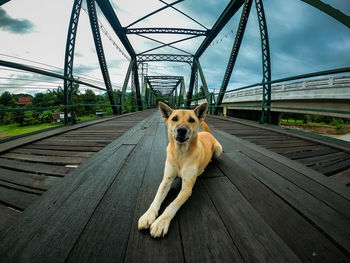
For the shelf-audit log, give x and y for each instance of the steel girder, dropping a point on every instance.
(99, 50)
(136, 83)
(204, 82)
(229, 11)
(192, 82)
(331, 11)
(234, 52)
(69, 55)
(266, 63)
(165, 57)
(158, 30)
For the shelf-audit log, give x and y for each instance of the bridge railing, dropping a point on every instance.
(334, 81)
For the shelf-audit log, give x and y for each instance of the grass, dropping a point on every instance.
(13, 129)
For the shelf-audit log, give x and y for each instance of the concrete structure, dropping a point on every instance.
(326, 96)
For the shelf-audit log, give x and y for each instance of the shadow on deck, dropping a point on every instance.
(251, 205)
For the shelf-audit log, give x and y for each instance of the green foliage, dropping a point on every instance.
(7, 100)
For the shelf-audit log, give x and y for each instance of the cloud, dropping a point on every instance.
(13, 25)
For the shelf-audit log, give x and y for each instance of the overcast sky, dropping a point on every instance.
(302, 40)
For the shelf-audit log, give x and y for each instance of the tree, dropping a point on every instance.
(7, 100)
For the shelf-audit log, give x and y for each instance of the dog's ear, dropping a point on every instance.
(201, 111)
(165, 110)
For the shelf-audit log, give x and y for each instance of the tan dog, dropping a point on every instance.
(188, 153)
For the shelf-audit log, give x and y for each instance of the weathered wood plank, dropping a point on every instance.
(37, 168)
(333, 167)
(17, 199)
(323, 207)
(21, 188)
(306, 154)
(44, 159)
(342, 177)
(52, 152)
(16, 237)
(322, 159)
(7, 216)
(110, 224)
(141, 246)
(307, 242)
(63, 148)
(28, 179)
(256, 241)
(57, 236)
(204, 235)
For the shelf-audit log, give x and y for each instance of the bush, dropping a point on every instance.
(45, 117)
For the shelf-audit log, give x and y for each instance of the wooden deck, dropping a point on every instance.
(251, 205)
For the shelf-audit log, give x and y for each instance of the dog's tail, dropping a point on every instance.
(205, 126)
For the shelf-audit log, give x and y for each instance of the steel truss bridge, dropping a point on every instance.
(181, 56)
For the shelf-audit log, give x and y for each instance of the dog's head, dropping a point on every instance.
(183, 124)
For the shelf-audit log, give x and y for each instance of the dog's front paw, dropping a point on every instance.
(160, 227)
(147, 219)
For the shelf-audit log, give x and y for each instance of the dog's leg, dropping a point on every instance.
(160, 227)
(151, 214)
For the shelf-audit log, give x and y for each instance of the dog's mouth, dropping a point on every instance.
(181, 139)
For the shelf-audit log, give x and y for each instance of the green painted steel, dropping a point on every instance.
(19, 66)
(329, 10)
(266, 64)
(69, 55)
(235, 50)
(192, 82)
(204, 82)
(99, 51)
(226, 15)
(127, 77)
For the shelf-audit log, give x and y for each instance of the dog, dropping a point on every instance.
(188, 153)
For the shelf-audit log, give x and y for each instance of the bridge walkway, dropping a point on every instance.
(251, 205)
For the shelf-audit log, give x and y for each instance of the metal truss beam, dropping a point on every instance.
(159, 30)
(227, 14)
(2, 2)
(100, 54)
(69, 55)
(135, 81)
(154, 12)
(164, 77)
(165, 57)
(331, 11)
(204, 82)
(113, 20)
(235, 50)
(192, 82)
(265, 50)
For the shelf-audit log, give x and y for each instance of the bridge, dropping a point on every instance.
(325, 96)
(74, 193)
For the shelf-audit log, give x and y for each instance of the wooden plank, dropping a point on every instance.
(307, 242)
(21, 188)
(323, 158)
(37, 168)
(18, 199)
(7, 216)
(20, 233)
(53, 153)
(44, 159)
(295, 149)
(57, 236)
(70, 143)
(28, 179)
(342, 177)
(272, 158)
(341, 145)
(300, 155)
(204, 235)
(63, 148)
(333, 167)
(141, 246)
(32, 138)
(325, 208)
(110, 224)
(256, 241)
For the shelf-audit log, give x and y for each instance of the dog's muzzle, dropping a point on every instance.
(181, 134)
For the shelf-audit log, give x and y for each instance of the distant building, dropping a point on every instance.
(23, 101)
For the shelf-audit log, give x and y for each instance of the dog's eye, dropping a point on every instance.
(174, 118)
(191, 120)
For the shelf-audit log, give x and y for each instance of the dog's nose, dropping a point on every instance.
(181, 131)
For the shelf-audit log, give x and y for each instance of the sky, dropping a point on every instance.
(302, 40)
